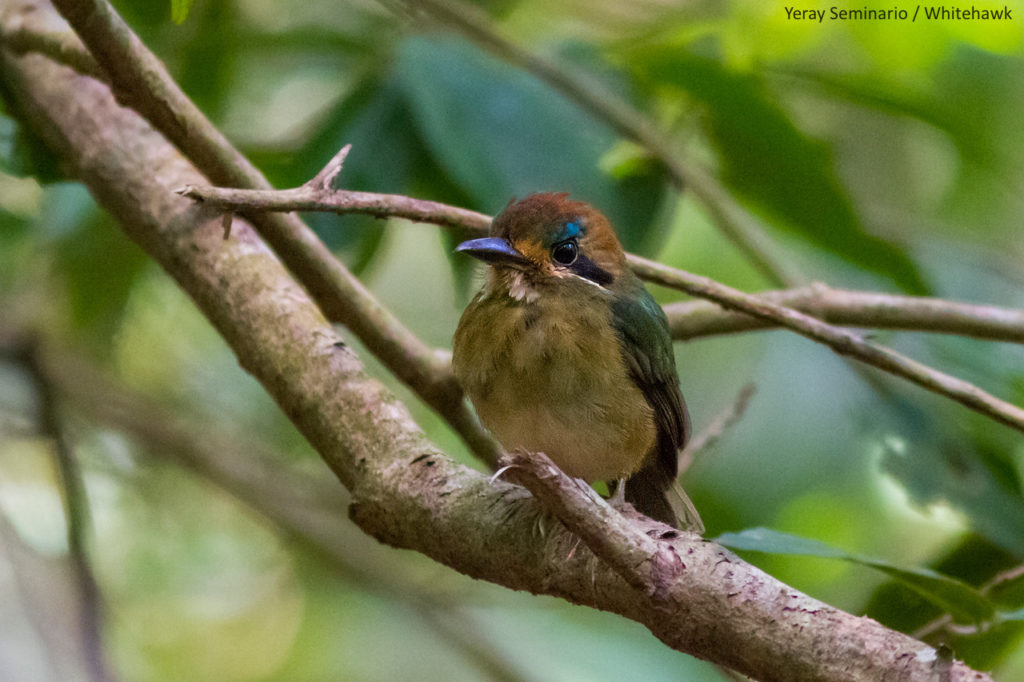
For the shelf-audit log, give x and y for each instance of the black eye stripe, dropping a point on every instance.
(567, 253)
(588, 269)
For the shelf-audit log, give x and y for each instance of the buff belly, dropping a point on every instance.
(553, 380)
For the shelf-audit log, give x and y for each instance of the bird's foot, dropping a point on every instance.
(618, 498)
(499, 472)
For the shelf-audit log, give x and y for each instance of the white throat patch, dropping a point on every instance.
(520, 289)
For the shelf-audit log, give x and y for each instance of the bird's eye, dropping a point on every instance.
(565, 252)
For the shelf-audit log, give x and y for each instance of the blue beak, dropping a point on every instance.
(493, 250)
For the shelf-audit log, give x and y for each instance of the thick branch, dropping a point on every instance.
(406, 492)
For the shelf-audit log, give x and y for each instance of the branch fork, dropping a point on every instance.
(631, 551)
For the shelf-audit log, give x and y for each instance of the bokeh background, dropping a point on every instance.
(881, 155)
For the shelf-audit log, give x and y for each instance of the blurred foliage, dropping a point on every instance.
(959, 600)
(761, 150)
(873, 154)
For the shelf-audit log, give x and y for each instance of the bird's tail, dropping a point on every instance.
(682, 507)
(653, 494)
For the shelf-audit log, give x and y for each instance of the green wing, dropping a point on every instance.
(647, 348)
(643, 330)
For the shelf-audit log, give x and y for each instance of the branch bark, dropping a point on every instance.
(406, 492)
(856, 309)
(76, 512)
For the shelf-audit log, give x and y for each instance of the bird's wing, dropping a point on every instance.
(647, 349)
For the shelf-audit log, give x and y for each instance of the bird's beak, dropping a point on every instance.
(493, 250)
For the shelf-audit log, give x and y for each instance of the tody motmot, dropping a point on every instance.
(564, 351)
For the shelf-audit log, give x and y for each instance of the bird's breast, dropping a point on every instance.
(550, 376)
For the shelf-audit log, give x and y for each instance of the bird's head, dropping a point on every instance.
(546, 238)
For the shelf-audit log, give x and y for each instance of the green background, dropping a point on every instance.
(880, 155)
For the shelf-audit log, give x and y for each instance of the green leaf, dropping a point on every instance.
(500, 133)
(975, 561)
(959, 599)
(180, 9)
(387, 156)
(768, 161)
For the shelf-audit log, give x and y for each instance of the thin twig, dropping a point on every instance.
(140, 80)
(76, 513)
(323, 180)
(945, 621)
(714, 430)
(341, 202)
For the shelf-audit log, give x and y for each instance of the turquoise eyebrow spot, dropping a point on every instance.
(571, 231)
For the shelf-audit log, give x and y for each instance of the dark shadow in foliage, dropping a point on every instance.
(501, 133)
(769, 162)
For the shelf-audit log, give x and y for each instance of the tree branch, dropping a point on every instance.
(856, 309)
(316, 198)
(715, 428)
(841, 341)
(405, 491)
(60, 46)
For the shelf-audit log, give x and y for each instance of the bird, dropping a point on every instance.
(564, 351)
